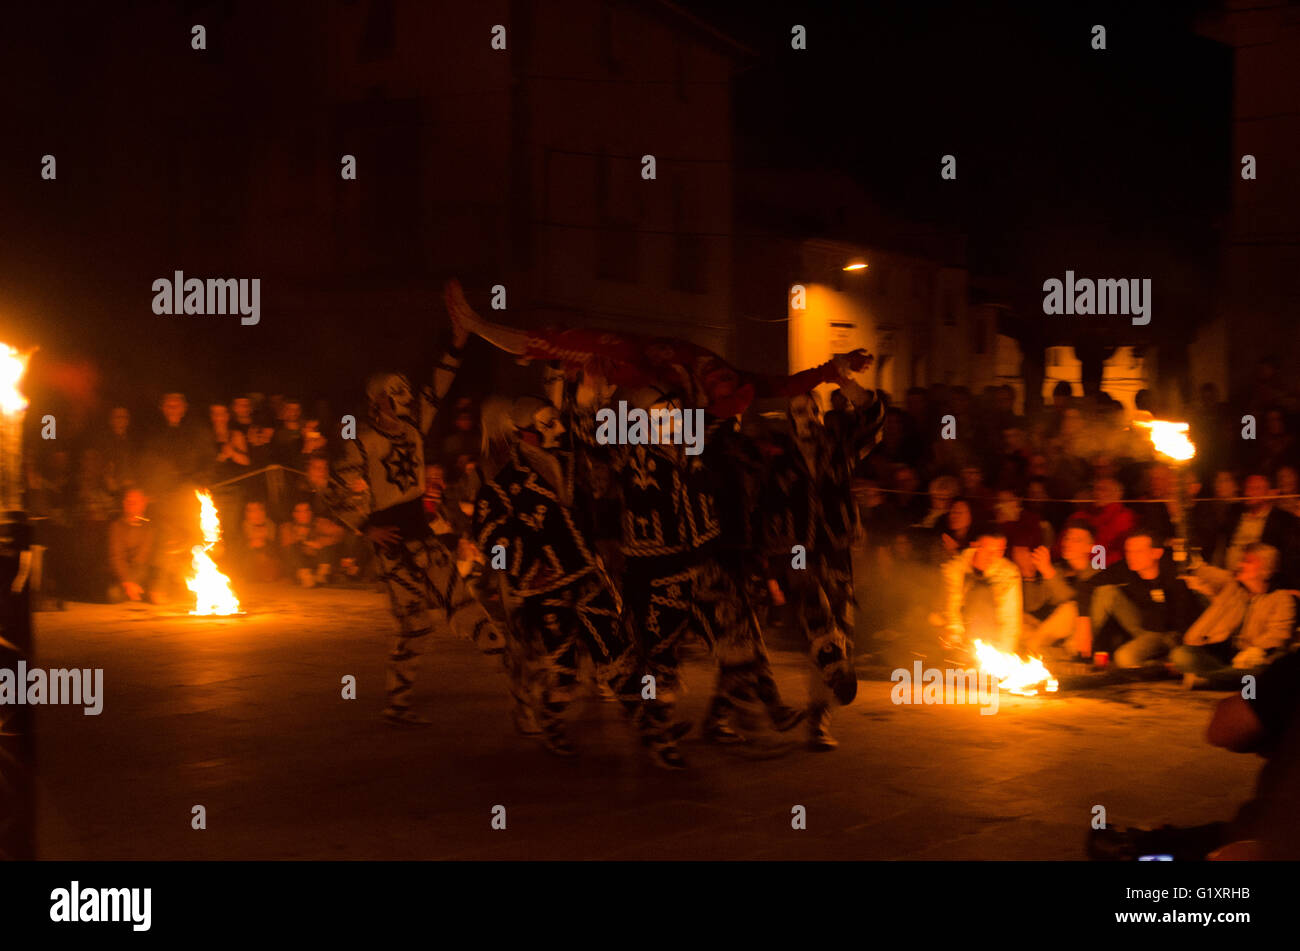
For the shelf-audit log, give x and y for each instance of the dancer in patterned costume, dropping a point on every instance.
(808, 502)
(568, 602)
(382, 469)
(673, 580)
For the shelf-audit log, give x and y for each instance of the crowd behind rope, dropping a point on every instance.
(116, 512)
(956, 538)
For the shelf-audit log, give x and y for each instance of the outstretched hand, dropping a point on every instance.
(859, 360)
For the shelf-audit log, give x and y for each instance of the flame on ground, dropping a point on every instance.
(1169, 438)
(211, 588)
(1014, 674)
(12, 367)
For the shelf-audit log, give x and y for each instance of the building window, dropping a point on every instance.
(690, 252)
(616, 237)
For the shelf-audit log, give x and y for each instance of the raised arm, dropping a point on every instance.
(444, 374)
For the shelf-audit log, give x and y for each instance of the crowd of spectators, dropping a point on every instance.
(116, 513)
(1066, 535)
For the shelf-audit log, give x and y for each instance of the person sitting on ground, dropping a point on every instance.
(132, 544)
(305, 549)
(1140, 605)
(261, 558)
(1249, 624)
(1058, 599)
(982, 592)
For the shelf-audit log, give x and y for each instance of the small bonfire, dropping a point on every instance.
(212, 592)
(1014, 674)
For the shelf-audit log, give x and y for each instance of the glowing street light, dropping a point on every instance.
(856, 266)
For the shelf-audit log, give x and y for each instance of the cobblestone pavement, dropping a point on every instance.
(245, 717)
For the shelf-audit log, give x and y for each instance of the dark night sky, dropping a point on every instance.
(1113, 161)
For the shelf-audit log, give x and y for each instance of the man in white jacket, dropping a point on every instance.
(982, 594)
(1247, 625)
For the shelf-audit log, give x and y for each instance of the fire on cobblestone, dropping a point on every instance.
(1025, 678)
(212, 591)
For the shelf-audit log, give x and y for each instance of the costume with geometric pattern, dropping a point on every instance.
(424, 586)
(568, 601)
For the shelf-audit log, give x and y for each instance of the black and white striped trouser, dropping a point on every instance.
(425, 588)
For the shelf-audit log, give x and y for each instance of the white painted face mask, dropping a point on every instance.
(394, 387)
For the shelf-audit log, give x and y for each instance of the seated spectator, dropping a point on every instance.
(352, 552)
(1042, 510)
(1247, 626)
(906, 496)
(1159, 509)
(260, 554)
(120, 450)
(307, 548)
(1276, 444)
(464, 438)
(1213, 520)
(447, 522)
(1141, 605)
(979, 495)
(313, 440)
(230, 447)
(241, 414)
(1058, 600)
(1288, 490)
(132, 552)
(954, 530)
(943, 489)
(1021, 526)
(314, 488)
(286, 446)
(1259, 520)
(1110, 519)
(982, 593)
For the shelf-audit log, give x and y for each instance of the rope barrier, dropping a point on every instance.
(249, 475)
(1272, 498)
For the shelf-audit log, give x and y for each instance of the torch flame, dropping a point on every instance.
(12, 367)
(211, 588)
(1169, 438)
(1015, 675)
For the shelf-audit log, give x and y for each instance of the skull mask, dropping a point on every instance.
(805, 415)
(390, 392)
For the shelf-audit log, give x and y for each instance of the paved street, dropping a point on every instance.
(245, 717)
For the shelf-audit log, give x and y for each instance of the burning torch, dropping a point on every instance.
(1170, 441)
(17, 745)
